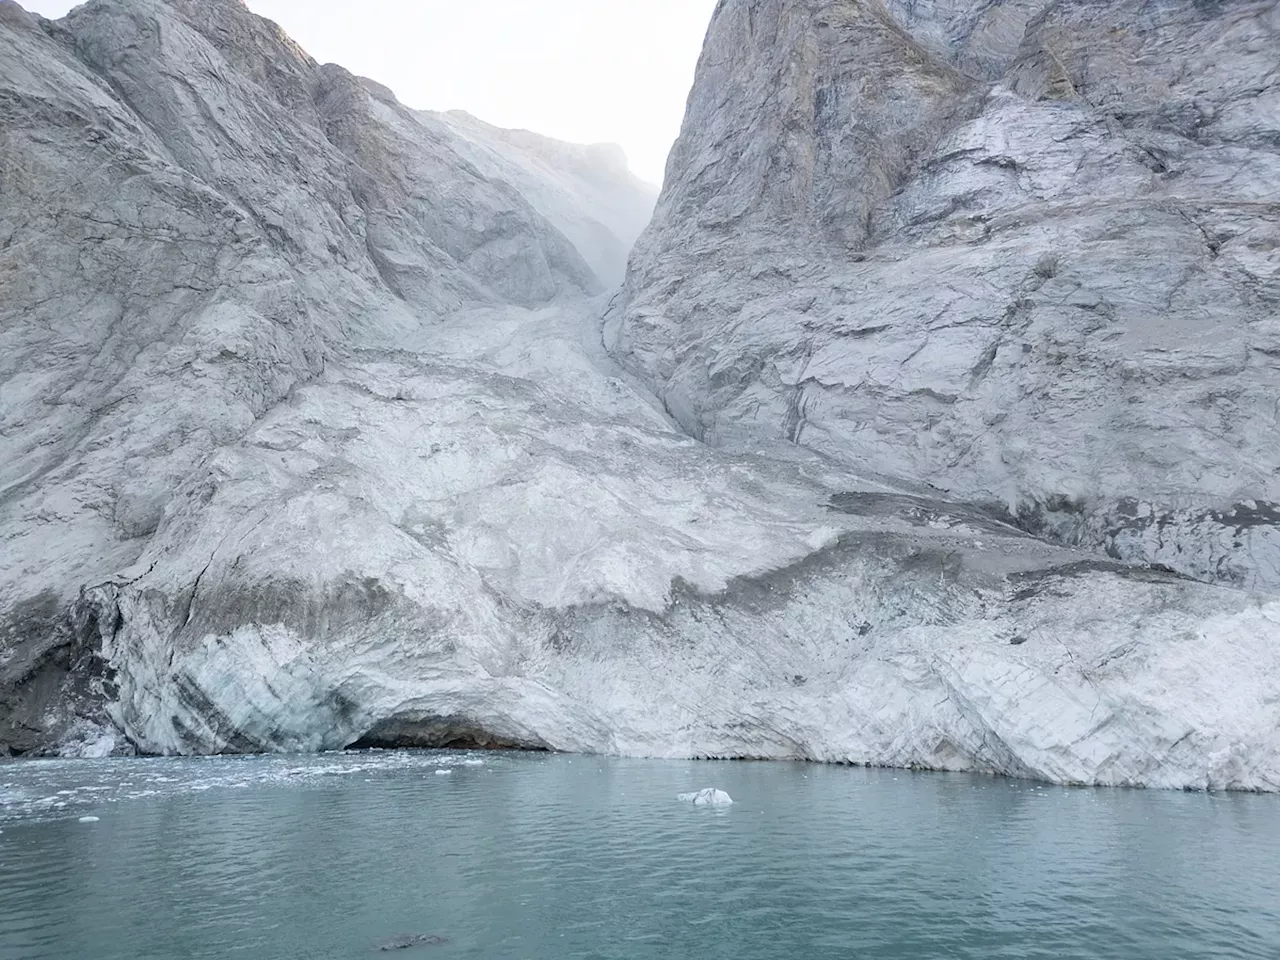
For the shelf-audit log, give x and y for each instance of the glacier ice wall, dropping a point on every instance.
(312, 437)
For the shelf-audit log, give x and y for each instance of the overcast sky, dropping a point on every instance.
(581, 70)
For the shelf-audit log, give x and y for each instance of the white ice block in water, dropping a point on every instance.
(710, 797)
(88, 819)
(443, 773)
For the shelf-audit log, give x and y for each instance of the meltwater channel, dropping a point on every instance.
(546, 856)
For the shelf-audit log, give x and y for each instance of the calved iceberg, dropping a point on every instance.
(707, 797)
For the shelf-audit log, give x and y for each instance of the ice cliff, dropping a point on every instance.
(313, 436)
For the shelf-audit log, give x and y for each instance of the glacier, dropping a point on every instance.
(324, 424)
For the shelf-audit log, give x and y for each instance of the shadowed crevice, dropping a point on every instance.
(439, 733)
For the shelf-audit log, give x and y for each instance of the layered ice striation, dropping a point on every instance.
(314, 439)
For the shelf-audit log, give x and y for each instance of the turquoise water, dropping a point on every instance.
(541, 856)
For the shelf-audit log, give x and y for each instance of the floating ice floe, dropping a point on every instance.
(473, 763)
(88, 819)
(710, 797)
(443, 773)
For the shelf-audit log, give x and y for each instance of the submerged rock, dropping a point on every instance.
(408, 941)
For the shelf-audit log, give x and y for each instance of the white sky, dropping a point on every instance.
(589, 71)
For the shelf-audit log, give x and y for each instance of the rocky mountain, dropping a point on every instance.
(195, 217)
(586, 192)
(1025, 252)
(316, 438)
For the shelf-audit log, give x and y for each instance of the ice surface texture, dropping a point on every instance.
(708, 797)
(310, 437)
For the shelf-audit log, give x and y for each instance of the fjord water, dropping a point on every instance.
(546, 856)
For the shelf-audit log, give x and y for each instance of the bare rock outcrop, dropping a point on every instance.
(195, 217)
(309, 438)
(1022, 252)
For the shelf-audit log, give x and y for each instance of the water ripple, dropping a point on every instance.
(533, 856)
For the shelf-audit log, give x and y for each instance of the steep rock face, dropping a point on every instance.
(193, 217)
(303, 457)
(1022, 252)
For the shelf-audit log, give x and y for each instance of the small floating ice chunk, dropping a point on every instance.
(473, 763)
(88, 819)
(443, 773)
(710, 797)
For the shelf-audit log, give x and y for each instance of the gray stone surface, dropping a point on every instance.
(311, 437)
(194, 218)
(1027, 253)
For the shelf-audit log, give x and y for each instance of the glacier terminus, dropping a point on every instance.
(928, 418)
